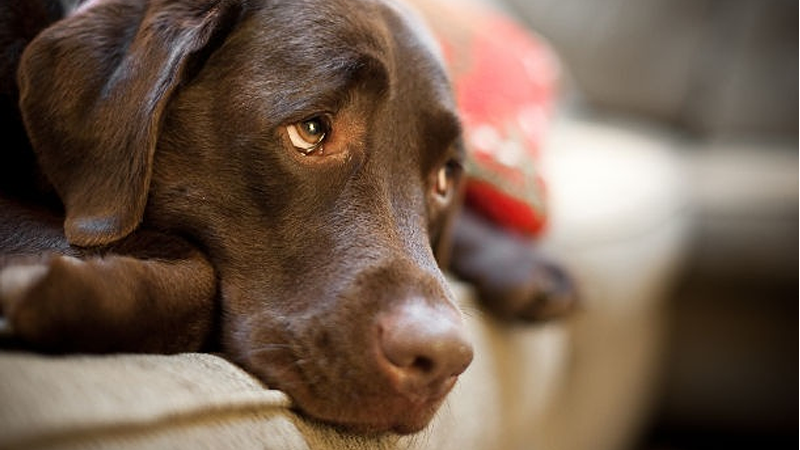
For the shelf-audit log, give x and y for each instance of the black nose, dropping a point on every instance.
(425, 346)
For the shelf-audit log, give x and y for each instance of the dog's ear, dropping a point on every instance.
(93, 88)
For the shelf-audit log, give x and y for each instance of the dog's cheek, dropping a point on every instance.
(349, 132)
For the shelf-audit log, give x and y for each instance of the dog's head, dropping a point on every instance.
(310, 148)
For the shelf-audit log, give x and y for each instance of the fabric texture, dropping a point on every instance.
(200, 401)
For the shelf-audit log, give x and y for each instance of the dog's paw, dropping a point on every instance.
(532, 290)
(513, 278)
(16, 283)
(29, 299)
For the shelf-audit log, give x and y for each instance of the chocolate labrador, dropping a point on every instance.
(270, 178)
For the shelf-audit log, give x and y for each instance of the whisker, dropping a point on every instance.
(473, 311)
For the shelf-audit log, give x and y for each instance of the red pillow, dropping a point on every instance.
(505, 79)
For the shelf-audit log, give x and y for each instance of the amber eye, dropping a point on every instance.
(308, 136)
(446, 178)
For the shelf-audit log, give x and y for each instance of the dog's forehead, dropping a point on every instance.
(316, 38)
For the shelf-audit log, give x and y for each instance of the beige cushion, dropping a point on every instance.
(193, 401)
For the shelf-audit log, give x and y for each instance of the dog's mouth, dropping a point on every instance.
(408, 400)
(372, 405)
(393, 411)
(410, 361)
(403, 419)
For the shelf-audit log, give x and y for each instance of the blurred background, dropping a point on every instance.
(713, 85)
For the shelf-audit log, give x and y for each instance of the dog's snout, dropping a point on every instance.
(426, 348)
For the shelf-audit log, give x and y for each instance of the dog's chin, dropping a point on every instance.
(392, 415)
(387, 411)
(359, 393)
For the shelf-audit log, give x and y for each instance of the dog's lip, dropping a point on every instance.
(398, 415)
(397, 411)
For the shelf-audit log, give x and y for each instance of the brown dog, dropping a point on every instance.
(271, 176)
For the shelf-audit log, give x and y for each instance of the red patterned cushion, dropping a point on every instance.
(505, 79)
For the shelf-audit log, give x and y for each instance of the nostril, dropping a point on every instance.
(423, 364)
(423, 344)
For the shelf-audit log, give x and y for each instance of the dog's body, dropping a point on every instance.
(271, 177)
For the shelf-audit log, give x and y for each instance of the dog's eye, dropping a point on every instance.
(446, 178)
(307, 136)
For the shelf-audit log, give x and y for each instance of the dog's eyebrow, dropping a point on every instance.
(443, 136)
(447, 126)
(369, 71)
(336, 80)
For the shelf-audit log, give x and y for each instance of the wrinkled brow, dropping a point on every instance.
(442, 137)
(334, 83)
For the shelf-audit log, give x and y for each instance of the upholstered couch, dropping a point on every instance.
(719, 80)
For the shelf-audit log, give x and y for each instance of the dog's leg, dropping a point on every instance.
(514, 280)
(112, 302)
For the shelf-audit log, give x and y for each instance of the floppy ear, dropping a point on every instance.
(93, 88)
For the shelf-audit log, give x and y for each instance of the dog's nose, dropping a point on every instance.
(426, 348)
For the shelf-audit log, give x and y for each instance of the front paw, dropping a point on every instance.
(528, 288)
(513, 278)
(16, 283)
(29, 300)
